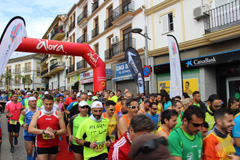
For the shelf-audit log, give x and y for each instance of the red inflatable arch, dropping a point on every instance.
(72, 49)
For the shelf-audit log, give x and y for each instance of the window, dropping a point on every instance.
(127, 38)
(27, 67)
(96, 49)
(17, 68)
(17, 80)
(9, 69)
(167, 23)
(38, 69)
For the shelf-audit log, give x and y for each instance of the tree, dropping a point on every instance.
(26, 79)
(8, 78)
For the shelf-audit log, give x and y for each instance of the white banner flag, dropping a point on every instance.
(175, 68)
(11, 39)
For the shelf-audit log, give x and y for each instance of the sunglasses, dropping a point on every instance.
(133, 107)
(154, 108)
(196, 124)
(218, 106)
(84, 107)
(112, 110)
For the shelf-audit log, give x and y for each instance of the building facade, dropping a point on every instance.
(23, 73)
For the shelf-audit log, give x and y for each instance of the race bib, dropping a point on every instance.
(100, 146)
(13, 122)
(45, 136)
(112, 137)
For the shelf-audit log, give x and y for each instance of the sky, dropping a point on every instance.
(38, 15)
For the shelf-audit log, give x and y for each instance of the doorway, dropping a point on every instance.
(233, 87)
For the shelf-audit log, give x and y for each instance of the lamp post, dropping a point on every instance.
(145, 35)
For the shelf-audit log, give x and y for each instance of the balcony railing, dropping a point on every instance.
(67, 34)
(70, 69)
(44, 72)
(27, 69)
(44, 58)
(81, 16)
(108, 23)
(95, 32)
(54, 66)
(82, 39)
(222, 17)
(81, 64)
(94, 6)
(123, 8)
(56, 31)
(120, 47)
(16, 71)
(72, 25)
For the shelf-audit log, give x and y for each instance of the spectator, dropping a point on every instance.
(233, 104)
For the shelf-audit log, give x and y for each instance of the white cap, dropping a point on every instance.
(78, 94)
(46, 92)
(83, 103)
(96, 104)
(32, 99)
(29, 93)
(89, 94)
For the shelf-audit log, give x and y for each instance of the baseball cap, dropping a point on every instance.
(46, 92)
(35, 92)
(89, 94)
(101, 99)
(29, 93)
(96, 104)
(83, 103)
(94, 98)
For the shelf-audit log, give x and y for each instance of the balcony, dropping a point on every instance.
(123, 13)
(222, 17)
(70, 69)
(57, 33)
(57, 67)
(44, 73)
(119, 48)
(95, 32)
(82, 39)
(17, 71)
(27, 69)
(94, 6)
(44, 58)
(108, 23)
(72, 25)
(81, 64)
(82, 18)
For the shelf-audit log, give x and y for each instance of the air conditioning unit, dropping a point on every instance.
(114, 40)
(199, 11)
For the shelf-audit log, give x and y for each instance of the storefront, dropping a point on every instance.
(109, 76)
(217, 71)
(86, 79)
(74, 82)
(124, 79)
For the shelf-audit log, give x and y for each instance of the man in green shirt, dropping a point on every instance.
(89, 100)
(73, 126)
(25, 104)
(185, 143)
(39, 101)
(115, 97)
(93, 134)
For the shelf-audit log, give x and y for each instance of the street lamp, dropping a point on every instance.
(145, 35)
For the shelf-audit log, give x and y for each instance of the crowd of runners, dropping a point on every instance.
(123, 126)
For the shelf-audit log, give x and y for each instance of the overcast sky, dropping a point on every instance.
(38, 15)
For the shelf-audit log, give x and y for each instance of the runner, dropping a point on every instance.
(25, 101)
(123, 108)
(218, 144)
(13, 111)
(73, 126)
(169, 121)
(69, 100)
(20, 96)
(39, 101)
(204, 129)
(89, 100)
(160, 105)
(140, 124)
(124, 121)
(92, 134)
(115, 97)
(153, 108)
(58, 102)
(3, 101)
(47, 124)
(197, 100)
(144, 107)
(24, 120)
(113, 119)
(74, 110)
(177, 105)
(186, 142)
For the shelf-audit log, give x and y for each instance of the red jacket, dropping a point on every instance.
(120, 148)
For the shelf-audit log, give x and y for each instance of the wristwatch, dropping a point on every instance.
(55, 131)
(43, 131)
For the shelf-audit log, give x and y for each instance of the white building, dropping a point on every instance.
(18, 68)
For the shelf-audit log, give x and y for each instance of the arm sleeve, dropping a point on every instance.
(175, 144)
(21, 119)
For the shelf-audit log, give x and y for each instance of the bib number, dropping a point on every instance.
(13, 122)
(112, 137)
(100, 146)
(45, 136)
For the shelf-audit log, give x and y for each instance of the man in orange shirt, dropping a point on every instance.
(218, 144)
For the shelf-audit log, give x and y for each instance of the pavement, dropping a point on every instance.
(19, 150)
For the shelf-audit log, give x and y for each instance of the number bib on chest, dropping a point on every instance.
(13, 122)
(45, 136)
(100, 146)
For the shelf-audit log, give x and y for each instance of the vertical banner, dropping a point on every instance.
(135, 65)
(11, 39)
(175, 68)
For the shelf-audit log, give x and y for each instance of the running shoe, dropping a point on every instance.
(12, 149)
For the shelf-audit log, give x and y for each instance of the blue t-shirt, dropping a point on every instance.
(236, 133)
(28, 117)
(167, 105)
(71, 105)
(154, 118)
(4, 97)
